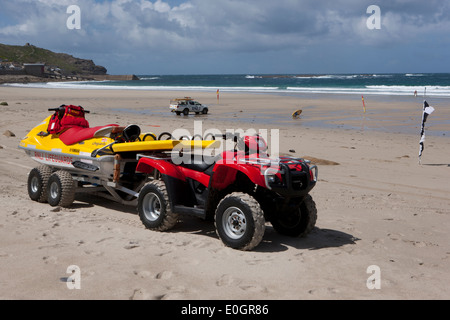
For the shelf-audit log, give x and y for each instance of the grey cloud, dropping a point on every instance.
(226, 24)
(225, 27)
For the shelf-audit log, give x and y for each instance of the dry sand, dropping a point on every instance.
(376, 206)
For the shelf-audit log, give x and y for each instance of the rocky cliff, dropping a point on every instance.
(68, 64)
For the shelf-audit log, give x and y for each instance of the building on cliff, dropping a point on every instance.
(34, 69)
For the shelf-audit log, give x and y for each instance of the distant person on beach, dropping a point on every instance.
(415, 93)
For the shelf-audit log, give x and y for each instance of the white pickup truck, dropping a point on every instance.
(186, 105)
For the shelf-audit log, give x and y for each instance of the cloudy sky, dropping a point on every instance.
(238, 36)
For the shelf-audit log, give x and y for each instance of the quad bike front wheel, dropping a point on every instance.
(239, 221)
(60, 189)
(298, 223)
(37, 183)
(154, 208)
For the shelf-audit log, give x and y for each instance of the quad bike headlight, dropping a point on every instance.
(270, 177)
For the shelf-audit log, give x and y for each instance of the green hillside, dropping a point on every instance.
(32, 54)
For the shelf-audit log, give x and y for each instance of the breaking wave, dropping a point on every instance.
(362, 84)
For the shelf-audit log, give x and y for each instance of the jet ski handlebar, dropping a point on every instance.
(59, 108)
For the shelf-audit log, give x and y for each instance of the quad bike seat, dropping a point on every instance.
(204, 166)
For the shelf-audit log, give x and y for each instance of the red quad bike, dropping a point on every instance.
(240, 190)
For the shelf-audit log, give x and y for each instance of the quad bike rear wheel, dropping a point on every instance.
(239, 221)
(60, 189)
(298, 223)
(37, 183)
(154, 208)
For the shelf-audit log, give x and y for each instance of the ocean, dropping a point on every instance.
(404, 84)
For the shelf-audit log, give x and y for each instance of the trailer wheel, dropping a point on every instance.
(239, 221)
(37, 183)
(298, 223)
(154, 208)
(61, 189)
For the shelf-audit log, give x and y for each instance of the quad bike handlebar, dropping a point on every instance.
(232, 136)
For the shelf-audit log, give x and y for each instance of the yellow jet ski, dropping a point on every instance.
(75, 158)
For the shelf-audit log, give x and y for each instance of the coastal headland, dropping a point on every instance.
(28, 64)
(8, 78)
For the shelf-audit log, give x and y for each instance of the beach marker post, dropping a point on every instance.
(427, 110)
(364, 104)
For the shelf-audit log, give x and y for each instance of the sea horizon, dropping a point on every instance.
(384, 84)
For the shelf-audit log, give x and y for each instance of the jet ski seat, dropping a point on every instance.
(77, 134)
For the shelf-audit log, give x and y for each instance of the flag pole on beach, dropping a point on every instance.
(427, 110)
(364, 104)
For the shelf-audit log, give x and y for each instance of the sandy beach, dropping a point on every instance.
(376, 206)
